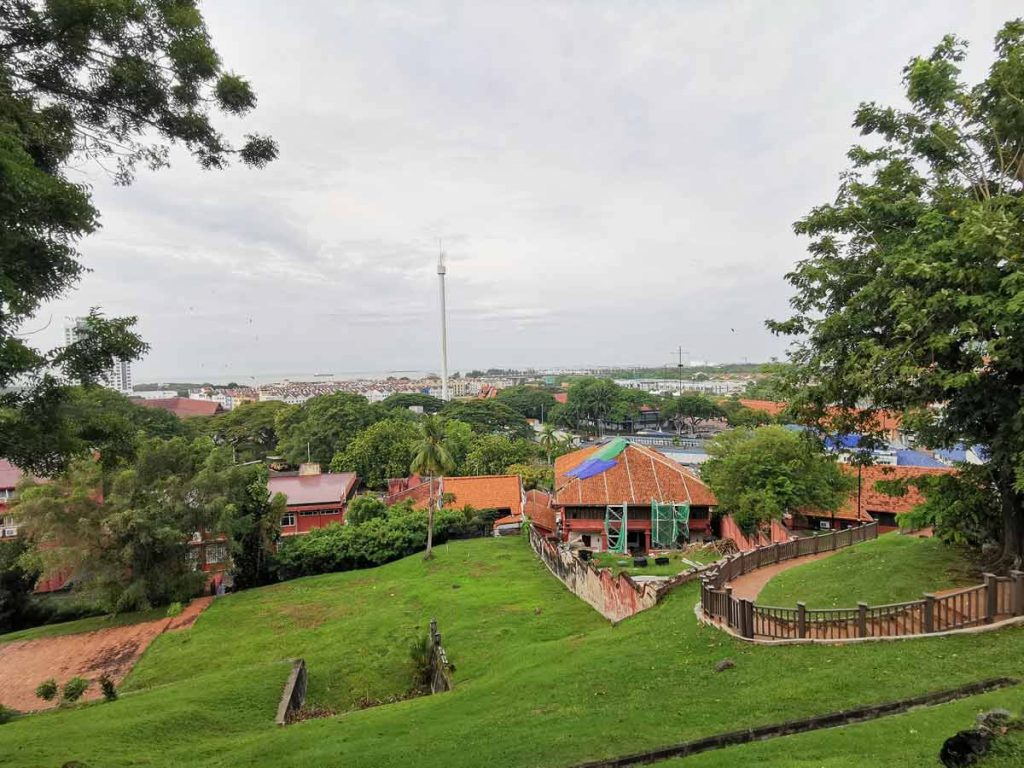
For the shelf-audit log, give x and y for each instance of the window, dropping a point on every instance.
(6, 493)
(288, 520)
(192, 557)
(216, 553)
(314, 512)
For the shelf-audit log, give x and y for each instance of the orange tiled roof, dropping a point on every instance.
(873, 500)
(486, 491)
(477, 491)
(562, 397)
(770, 407)
(508, 520)
(183, 407)
(640, 476)
(539, 509)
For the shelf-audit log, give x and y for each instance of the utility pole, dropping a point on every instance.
(441, 270)
(680, 393)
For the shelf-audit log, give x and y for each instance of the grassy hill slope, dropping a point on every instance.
(889, 569)
(541, 679)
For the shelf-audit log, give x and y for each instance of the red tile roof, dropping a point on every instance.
(327, 488)
(873, 500)
(539, 509)
(640, 476)
(562, 397)
(508, 520)
(183, 407)
(477, 491)
(770, 407)
(11, 475)
(486, 491)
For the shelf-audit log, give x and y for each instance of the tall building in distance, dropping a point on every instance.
(118, 376)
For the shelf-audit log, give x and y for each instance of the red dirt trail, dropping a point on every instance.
(24, 664)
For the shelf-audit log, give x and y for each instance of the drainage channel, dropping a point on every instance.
(790, 727)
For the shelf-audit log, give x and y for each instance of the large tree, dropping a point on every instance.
(912, 296)
(88, 80)
(691, 410)
(381, 451)
(764, 473)
(492, 454)
(323, 426)
(488, 417)
(250, 429)
(530, 402)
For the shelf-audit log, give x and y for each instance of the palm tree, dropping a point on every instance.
(548, 440)
(433, 459)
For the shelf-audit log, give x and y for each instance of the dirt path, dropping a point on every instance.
(749, 585)
(24, 664)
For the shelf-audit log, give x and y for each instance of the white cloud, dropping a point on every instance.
(610, 179)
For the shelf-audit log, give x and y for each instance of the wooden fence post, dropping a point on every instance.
(929, 613)
(801, 619)
(1017, 593)
(991, 597)
(862, 619)
(747, 609)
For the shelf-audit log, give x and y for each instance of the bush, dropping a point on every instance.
(73, 690)
(107, 687)
(401, 532)
(364, 508)
(174, 609)
(7, 714)
(47, 689)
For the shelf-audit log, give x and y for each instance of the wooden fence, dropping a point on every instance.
(440, 668)
(998, 597)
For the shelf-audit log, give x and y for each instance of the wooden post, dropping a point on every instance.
(1017, 593)
(991, 597)
(929, 613)
(801, 619)
(747, 611)
(862, 619)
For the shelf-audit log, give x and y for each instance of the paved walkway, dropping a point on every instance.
(24, 664)
(749, 585)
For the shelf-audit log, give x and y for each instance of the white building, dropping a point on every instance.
(156, 394)
(119, 376)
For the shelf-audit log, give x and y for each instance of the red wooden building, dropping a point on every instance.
(639, 477)
(315, 499)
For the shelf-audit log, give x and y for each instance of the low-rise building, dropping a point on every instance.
(315, 499)
(609, 491)
(183, 407)
(501, 493)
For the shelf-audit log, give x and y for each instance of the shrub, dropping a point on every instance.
(174, 609)
(73, 690)
(7, 714)
(47, 689)
(107, 687)
(364, 508)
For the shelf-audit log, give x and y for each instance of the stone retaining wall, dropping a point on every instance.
(615, 597)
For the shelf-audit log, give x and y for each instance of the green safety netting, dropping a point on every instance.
(667, 522)
(615, 522)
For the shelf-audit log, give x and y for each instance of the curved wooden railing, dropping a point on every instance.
(998, 597)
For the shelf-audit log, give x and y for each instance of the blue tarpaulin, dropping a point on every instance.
(905, 457)
(590, 467)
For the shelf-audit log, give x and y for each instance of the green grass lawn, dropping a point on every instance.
(889, 569)
(541, 679)
(910, 740)
(676, 563)
(84, 625)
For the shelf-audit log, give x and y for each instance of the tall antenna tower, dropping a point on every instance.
(441, 270)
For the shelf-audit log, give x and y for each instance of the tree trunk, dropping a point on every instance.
(430, 521)
(1013, 518)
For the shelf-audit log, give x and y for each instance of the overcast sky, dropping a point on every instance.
(610, 180)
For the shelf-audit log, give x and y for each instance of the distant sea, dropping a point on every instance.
(251, 379)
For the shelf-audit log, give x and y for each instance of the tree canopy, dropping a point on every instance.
(381, 451)
(88, 80)
(530, 402)
(761, 474)
(322, 426)
(912, 293)
(492, 454)
(690, 410)
(488, 417)
(428, 403)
